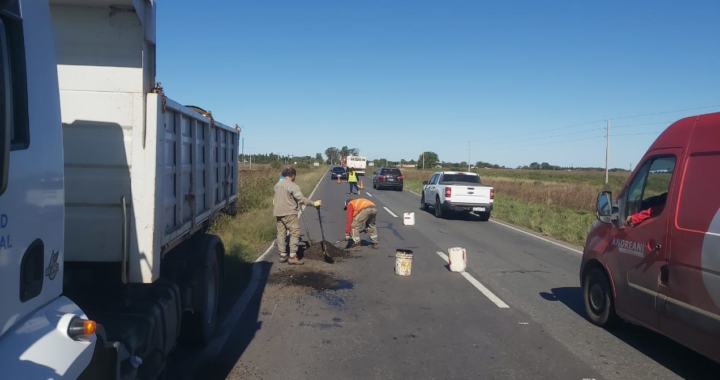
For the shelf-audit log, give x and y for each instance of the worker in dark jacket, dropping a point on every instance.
(360, 213)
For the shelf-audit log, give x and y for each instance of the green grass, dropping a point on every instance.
(554, 203)
(566, 224)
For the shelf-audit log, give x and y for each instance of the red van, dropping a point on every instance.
(653, 256)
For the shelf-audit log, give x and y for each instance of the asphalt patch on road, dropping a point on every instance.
(309, 279)
(315, 252)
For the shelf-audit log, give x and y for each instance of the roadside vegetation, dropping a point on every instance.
(247, 235)
(559, 204)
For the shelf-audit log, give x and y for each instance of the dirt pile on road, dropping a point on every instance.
(315, 252)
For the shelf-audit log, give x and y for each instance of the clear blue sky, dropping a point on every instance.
(394, 78)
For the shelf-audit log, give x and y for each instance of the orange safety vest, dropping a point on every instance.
(359, 204)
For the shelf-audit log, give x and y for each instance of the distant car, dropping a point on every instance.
(338, 171)
(388, 178)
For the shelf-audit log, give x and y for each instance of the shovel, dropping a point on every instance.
(328, 259)
(307, 231)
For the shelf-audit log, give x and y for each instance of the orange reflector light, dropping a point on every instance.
(81, 327)
(89, 327)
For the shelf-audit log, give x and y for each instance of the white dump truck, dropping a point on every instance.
(107, 190)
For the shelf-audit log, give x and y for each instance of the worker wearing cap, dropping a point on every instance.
(287, 201)
(360, 213)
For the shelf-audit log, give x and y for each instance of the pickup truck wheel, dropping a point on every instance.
(484, 216)
(438, 209)
(423, 206)
(199, 326)
(598, 297)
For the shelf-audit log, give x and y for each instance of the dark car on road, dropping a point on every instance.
(388, 178)
(338, 171)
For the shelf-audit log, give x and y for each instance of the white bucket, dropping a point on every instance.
(457, 259)
(403, 262)
(409, 218)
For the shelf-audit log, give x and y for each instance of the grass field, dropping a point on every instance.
(559, 204)
(247, 235)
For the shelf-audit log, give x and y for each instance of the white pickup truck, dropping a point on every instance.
(450, 192)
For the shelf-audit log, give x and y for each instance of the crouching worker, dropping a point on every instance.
(361, 214)
(287, 201)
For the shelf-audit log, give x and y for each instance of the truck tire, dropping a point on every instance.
(199, 326)
(484, 216)
(599, 300)
(423, 205)
(438, 209)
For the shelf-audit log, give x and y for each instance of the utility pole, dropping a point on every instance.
(243, 152)
(468, 155)
(607, 149)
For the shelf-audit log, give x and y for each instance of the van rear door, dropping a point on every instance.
(639, 247)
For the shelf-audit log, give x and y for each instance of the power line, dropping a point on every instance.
(599, 121)
(641, 124)
(638, 134)
(543, 131)
(549, 143)
(553, 136)
(665, 112)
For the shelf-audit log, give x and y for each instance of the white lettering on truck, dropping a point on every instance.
(629, 247)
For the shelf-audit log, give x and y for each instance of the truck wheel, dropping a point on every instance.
(484, 216)
(199, 326)
(438, 209)
(423, 206)
(599, 301)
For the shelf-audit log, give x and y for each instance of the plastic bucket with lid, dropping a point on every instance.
(403, 262)
(457, 258)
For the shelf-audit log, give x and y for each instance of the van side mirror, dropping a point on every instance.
(603, 206)
(425, 183)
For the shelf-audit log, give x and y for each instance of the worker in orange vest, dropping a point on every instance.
(360, 213)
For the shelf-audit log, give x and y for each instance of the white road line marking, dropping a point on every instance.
(391, 213)
(538, 237)
(370, 195)
(218, 342)
(490, 295)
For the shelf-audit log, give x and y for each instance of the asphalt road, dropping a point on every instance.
(356, 319)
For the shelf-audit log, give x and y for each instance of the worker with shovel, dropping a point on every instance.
(287, 201)
(360, 213)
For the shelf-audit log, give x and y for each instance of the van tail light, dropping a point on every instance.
(492, 193)
(80, 328)
(448, 192)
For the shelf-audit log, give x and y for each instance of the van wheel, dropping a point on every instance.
(423, 206)
(199, 326)
(598, 297)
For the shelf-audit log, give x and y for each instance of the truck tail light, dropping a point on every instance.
(492, 193)
(79, 328)
(448, 192)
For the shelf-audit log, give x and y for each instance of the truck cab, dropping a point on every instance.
(653, 256)
(32, 212)
(107, 191)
